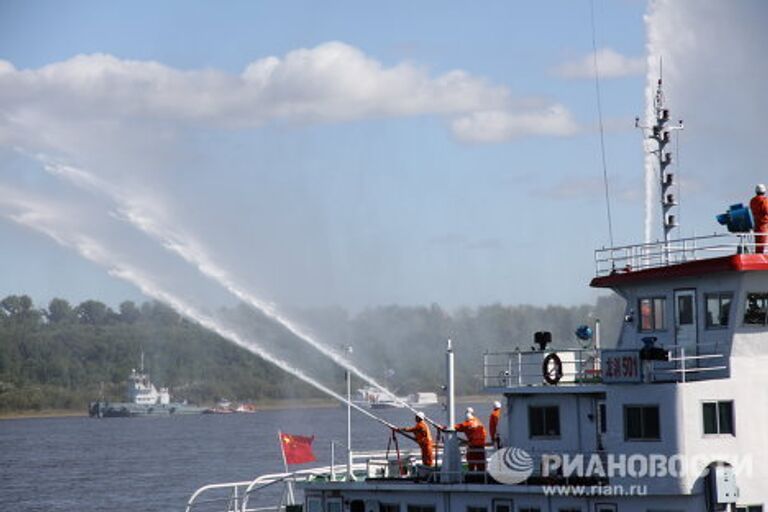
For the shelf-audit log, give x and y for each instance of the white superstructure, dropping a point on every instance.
(141, 390)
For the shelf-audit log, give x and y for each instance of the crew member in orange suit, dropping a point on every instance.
(759, 207)
(493, 424)
(423, 439)
(474, 429)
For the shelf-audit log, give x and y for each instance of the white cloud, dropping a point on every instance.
(333, 82)
(499, 125)
(610, 64)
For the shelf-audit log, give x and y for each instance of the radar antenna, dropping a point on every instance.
(659, 132)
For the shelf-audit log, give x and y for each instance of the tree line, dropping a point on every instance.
(62, 356)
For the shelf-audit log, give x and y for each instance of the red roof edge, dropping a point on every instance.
(733, 263)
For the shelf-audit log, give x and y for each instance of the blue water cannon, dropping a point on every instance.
(738, 219)
(584, 333)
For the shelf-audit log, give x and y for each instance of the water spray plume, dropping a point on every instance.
(653, 50)
(93, 251)
(186, 247)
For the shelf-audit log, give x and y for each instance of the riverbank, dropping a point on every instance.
(266, 405)
(43, 413)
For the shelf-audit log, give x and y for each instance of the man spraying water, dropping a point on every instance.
(423, 438)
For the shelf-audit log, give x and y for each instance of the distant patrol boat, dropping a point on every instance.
(143, 399)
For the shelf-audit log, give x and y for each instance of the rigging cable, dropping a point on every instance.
(600, 120)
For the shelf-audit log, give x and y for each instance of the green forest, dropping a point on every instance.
(62, 356)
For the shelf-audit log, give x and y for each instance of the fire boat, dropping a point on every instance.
(670, 418)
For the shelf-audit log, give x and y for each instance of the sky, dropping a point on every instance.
(354, 154)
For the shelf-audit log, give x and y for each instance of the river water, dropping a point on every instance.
(155, 464)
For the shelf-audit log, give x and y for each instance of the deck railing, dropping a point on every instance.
(380, 465)
(248, 496)
(518, 369)
(526, 368)
(628, 258)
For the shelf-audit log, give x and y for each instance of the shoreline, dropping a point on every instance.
(267, 405)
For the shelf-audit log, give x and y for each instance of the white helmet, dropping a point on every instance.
(470, 410)
(420, 415)
(469, 415)
(760, 189)
(497, 405)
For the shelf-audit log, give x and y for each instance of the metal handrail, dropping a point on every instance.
(237, 500)
(657, 254)
(517, 369)
(241, 492)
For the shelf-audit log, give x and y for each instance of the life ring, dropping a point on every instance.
(552, 368)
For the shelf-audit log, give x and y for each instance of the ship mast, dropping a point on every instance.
(659, 132)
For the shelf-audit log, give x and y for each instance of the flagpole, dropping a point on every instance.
(288, 483)
(350, 475)
(348, 378)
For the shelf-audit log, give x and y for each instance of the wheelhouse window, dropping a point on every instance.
(529, 509)
(756, 310)
(314, 505)
(333, 505)
(502, 506)
(718, 309)
(652, 316)
(473, 508)
(389, 507)
(642, 423)
(718, 417)
(544, 421)
(749, 508)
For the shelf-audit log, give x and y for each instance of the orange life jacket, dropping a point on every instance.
(422, 433)
(759, 207)
(474, 429)
(494, 422)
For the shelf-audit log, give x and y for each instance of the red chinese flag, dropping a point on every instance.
(297, 449)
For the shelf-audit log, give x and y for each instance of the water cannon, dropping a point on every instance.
(584, 333)
(738, 219)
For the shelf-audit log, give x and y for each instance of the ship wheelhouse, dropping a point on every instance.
(685, 381)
